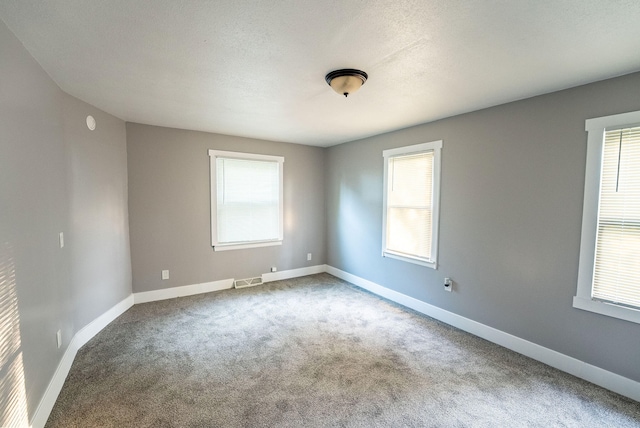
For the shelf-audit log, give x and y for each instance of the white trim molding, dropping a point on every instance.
(583, 299)
(41, 415)
(606, 379)
(293, 273)
(436, 148)
(219, 245)
(183, 291)
(224, 284)
(50, 396)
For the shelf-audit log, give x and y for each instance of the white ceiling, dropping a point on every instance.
(256, 68)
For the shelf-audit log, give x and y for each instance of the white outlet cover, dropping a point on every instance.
(61, 239)
(59, 338)
(308, 256)
(165, 274)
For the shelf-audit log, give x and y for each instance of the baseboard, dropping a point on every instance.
(185, 290)
(50, 396)
(293, 273)
(224, 284)
(606, 379)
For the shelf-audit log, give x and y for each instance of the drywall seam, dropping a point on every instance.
(606, 379)
(79, 339)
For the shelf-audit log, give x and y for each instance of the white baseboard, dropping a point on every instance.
(183, 291)
(593, 374)
(606, 379)
(293, 273)
(50, 396)
(224, 284)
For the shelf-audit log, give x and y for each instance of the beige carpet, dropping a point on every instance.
(314, 352)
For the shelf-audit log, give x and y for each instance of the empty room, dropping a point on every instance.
(319, 214)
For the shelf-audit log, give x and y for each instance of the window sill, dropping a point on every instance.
(409, 259)
(608, 309)
(227, 247)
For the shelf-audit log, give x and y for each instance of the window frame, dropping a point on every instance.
(596, 129)
(436, 147)
(220, 246)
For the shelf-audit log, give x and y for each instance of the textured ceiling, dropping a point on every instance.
(256, 68)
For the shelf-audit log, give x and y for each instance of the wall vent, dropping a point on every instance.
(249, 282)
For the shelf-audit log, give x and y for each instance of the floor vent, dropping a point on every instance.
(249, 282)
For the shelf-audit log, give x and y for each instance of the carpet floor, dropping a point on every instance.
(314, 352)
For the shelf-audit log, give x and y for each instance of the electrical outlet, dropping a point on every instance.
(308, 256)
(448, 284)
(61, 239)
(59, 338)
(274, 269)
(165, 274)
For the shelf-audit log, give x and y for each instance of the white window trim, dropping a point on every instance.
(595, 142)
(436, 146)
(213, 154)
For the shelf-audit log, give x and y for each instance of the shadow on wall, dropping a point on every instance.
(13, 397)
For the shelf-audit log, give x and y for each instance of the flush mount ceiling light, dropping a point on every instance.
(346, 81)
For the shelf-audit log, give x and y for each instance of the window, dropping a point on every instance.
(609, 271)
(411, 196)
(246, 200)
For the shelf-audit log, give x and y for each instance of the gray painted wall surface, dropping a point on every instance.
(169, 207)
(511, 212)
(34, 270)
(53, 178)
(98, 210)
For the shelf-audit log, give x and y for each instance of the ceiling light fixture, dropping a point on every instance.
(346, 81)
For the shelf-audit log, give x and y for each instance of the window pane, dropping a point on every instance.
(248, 203)
(410, 180)
(617, 267)
(409, 204)
(409, 231)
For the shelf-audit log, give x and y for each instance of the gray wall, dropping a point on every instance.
(98, 212)
(169, 205)
(54, 177)
(511, 212)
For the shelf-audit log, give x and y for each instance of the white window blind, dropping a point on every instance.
(411, 196)
(246, 200)
(617, 263)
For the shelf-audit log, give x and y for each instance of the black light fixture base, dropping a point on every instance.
(346, 72)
